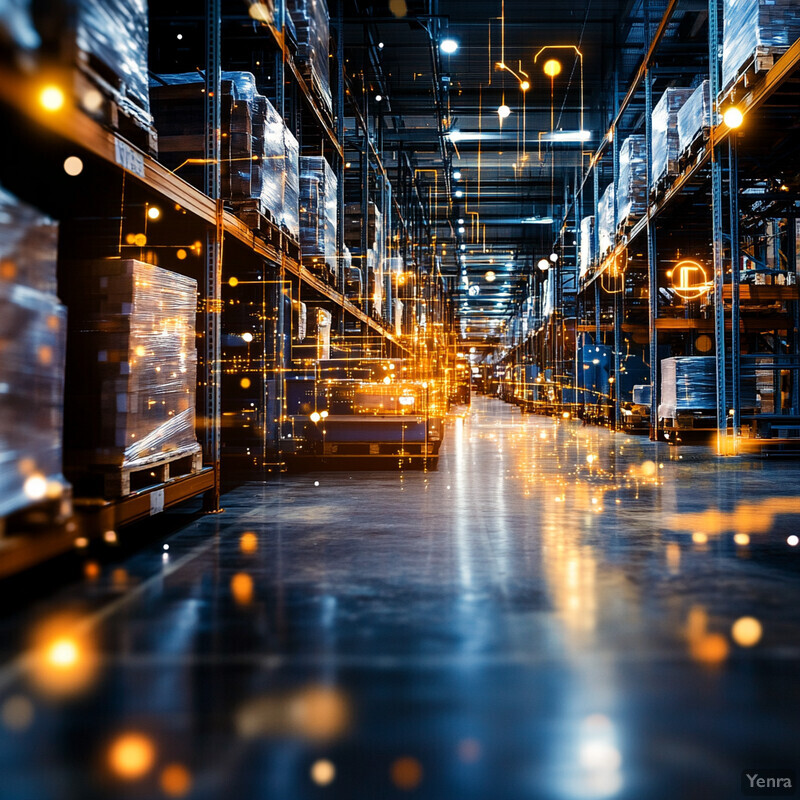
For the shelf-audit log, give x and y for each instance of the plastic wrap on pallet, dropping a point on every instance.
(632, 180)
(28, 245)
(694, 116)
(642, 394)
(17, 29)
(290, 211)
(272, 161)
(133, 364)
(755, 27)
(312, 24)
(32, 341)
(587, 254)
(606, 229)
(108, 37)
(688, 383)
(318, 202)
(664, 133)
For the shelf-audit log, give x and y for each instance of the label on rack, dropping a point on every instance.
(156, 501)
(128, 158)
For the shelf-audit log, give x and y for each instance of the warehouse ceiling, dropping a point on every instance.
(503, 213)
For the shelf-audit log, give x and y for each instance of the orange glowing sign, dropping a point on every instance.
(689, 280)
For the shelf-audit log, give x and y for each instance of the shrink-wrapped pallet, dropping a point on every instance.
(753, 28)
(318, 203)
(28, 245)
(664, 128)
(131, 382)
(312, 24)
(688, 383)
(632, 180)
(108, 38)
(587, 252)
(290, 211)
(32, 352)
(694, 117)
(606, 228)
(32, 346)
(642, 394)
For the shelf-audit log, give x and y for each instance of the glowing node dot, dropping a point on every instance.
(181, 254)
(552, 68)
(792, 540)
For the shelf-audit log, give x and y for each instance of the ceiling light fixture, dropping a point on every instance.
(448, 46)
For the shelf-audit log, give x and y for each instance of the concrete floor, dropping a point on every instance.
(557, 612)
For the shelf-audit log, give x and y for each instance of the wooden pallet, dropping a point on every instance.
(123, 481)
(322, 102)
(112, 112)
(762, 60)
(260, 221)
(694, 150)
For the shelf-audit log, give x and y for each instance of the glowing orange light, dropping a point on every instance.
(323, 772)
(689, 280)
(746, 631)
(176, 781)
(51, 98)
(131, 756)
(524, 85)
(406, 773)
(242, 588)
(245, 383)
(248, 543)
(552, 67)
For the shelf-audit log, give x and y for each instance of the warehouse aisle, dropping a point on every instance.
(558, 612)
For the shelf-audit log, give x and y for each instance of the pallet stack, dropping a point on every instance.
(259, 169)
(131, 381)
(312, 25)
(32, 351)
(664, 134)
(605, 221)
(587, 252)
(754, 32)
(694, 118)
(318, 217)
(107, 41)
(632, 181)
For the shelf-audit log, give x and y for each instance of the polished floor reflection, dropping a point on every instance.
(557, 612)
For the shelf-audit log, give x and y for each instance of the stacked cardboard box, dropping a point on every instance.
(32, 347)
(632, 180)
(587, 252)
(132, 357)
(259, 156)
(664, 130)
(353, 222)
(312, 25)
(756, 27)
(694, 117)
(318, 203)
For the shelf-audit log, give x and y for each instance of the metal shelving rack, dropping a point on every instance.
(711, 170)
(73, 130)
